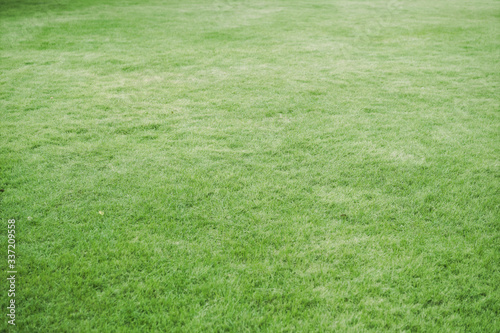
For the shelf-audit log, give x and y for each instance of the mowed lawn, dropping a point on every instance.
(251, 166)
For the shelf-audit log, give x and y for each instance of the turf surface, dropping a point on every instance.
(243, 166)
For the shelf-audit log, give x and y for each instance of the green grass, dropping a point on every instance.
(274, 166)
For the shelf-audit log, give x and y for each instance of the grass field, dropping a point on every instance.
(247, 166)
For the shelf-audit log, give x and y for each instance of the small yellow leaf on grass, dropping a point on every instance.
(102, 213)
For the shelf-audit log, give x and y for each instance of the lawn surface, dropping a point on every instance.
(246, 166)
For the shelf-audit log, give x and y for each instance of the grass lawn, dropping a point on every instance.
(247, 166)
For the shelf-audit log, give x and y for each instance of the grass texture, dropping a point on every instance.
(251, 166)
